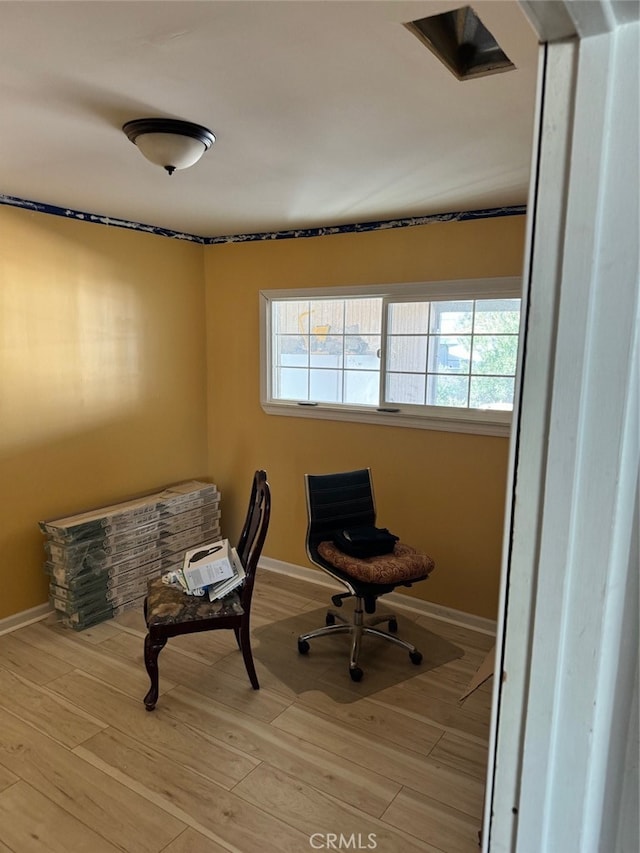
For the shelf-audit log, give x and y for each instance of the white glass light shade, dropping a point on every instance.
(170, 143)
(170, 150)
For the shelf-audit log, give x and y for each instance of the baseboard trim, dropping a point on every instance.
(397, 599)
(25, 617)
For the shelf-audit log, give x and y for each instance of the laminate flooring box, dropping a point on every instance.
(99, 561)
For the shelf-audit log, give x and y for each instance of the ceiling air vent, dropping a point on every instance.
(462, 42)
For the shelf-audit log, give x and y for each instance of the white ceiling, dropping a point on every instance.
(325, 112)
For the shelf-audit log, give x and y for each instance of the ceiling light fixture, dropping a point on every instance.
(170, 143)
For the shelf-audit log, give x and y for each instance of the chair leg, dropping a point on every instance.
(357, 628)
(392, 639)
(236, 631)
(244, 641)
(152, 649)
(322, 632)
(358, 618)
(383, 617)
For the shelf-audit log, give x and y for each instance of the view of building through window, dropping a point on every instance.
(455, 353)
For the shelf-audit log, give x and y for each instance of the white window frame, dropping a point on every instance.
(449, 419)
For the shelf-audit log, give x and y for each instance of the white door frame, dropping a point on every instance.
(567, 649)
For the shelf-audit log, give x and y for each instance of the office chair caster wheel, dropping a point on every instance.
(393, 626)
(330, 619)
(356, 673)
(303, 647)
(415, 657)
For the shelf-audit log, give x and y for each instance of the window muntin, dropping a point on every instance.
(433, 355)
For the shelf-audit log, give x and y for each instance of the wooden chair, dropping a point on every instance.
(341, 501)
(169, 612)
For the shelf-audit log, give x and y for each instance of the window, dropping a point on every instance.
(440, 355)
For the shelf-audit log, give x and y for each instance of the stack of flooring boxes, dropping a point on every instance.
(99, 562)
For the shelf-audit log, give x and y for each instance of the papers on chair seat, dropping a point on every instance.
(208, 564)
(219, 590)
(214, 567)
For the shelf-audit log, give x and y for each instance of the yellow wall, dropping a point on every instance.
(443, 492)
(108, 356)
(102, 377)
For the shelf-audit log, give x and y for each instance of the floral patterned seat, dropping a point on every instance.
(404, 564)
(169, 605)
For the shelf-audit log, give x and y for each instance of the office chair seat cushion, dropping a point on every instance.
(404, 564)
(167, 605)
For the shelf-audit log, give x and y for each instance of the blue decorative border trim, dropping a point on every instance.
(356, 228)
(381, 225)
(67, 213)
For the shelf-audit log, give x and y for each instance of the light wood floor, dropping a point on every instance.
(395, 763)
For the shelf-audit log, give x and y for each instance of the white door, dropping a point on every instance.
(563, 769)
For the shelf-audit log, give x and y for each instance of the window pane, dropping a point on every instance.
(497, 315)
(326, 359)
(450, 354)
(408, 317)
(320, 341)
(361, 387)
(363, 316)
(495, 354)
(405, 388)
(450, 317)
(407, 353)
(326, 350)
(362, 352)
(290, 383)
(325, 386)
(294, 360)
(447, 390)
(326, 315)
(491, 393)
(291, 349)
(291, 317)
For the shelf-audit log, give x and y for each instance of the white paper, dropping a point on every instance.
(207, 564)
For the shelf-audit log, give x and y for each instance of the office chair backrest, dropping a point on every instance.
(336, 502)
(254, 533)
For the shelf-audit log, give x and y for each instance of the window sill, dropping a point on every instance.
(451, 420)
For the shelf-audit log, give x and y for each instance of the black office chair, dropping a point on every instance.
(342, 501)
